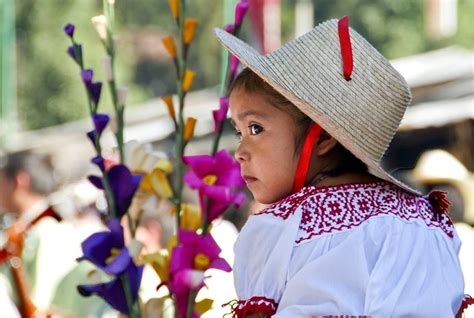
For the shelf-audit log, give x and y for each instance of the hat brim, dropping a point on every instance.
(258, 63)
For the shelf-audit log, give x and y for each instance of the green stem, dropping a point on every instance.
(190, 306)
(134, 310)
(205, 223)
(180, 144)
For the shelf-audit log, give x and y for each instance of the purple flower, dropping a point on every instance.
(107, 251)
(123, 185)
(75, 51)
(95, 89)
(240, 11)
(220, 114)
(99, 162)
(100, 122)
(113, 292)
(218, 170)
(87, 75)
(69, 30)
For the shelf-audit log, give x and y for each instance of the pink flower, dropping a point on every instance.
(240, 11)
(220, 114)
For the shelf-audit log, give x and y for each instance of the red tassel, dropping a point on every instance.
(467, 301)
(439, 201)
(346, 47)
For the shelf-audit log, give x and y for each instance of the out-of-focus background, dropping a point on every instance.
(43, 105)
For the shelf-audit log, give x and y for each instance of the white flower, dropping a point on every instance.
(134, 248)
(122, 93)
(100, 24)
(107, 65)
(141, 158)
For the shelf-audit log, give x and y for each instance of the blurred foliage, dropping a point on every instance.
(49, 88)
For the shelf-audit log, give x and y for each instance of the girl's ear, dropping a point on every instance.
(325, 145)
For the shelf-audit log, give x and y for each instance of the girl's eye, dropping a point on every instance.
(255, 129)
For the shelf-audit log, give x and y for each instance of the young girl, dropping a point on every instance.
(341, 237)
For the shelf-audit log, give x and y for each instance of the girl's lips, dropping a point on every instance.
(249, 179)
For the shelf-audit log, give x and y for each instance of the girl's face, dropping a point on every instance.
(266, 150)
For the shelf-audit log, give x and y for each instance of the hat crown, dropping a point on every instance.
(368, 108)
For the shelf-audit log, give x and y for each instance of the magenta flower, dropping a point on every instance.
(217, 170)
(230, 28)
(123, 185)
(189, 260)
(220, 114)
(240, 11)
(216, 200)
(234, 65)
(107, 251)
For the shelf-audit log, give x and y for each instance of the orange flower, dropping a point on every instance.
(188, 80)
(169, 45)
(189, 128)
(174, 6)
(190, 26)
(169, 104)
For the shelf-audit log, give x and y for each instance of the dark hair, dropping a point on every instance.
(252, 83)
(38, 167)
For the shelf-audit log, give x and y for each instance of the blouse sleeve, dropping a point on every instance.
(384, 268)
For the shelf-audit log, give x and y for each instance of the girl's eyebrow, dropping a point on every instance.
(242, 116)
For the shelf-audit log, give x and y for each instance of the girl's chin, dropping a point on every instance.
(265, 198)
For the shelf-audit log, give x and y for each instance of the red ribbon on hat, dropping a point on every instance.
(346, 47)
(305, 157)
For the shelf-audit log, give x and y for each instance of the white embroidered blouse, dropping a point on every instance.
(360, 249)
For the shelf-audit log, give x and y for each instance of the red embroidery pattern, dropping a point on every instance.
(255, 305)
(334, 209)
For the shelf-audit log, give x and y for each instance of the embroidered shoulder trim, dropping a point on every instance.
(334, 209)
(466, 302)
(255, 304)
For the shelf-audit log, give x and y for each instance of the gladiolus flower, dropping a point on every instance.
(69, 30)
(75, 51)
(107, 251)
(169, 104)
(107, 66)
(158, 183)
(230, 28)
(190, 26)
(122, 93)
(190, 217)
(188, 80)
(100, 24)
(174, 6)
(189, 128)
(220, 114)
(240, 11)
(168, 43)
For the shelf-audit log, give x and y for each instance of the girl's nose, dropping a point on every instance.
(241, 154)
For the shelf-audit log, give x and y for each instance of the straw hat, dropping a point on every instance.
(362, 113)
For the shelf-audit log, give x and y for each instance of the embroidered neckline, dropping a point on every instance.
(342, 207)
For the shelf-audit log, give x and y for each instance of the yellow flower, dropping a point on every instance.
(203, 305)
(174, 6)
(190, 26)
(173, 241)
(188, 80)
(158, 183)
(169, 104)
(169, 45)
(190, 217)
(189, 128)
(160, 262)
